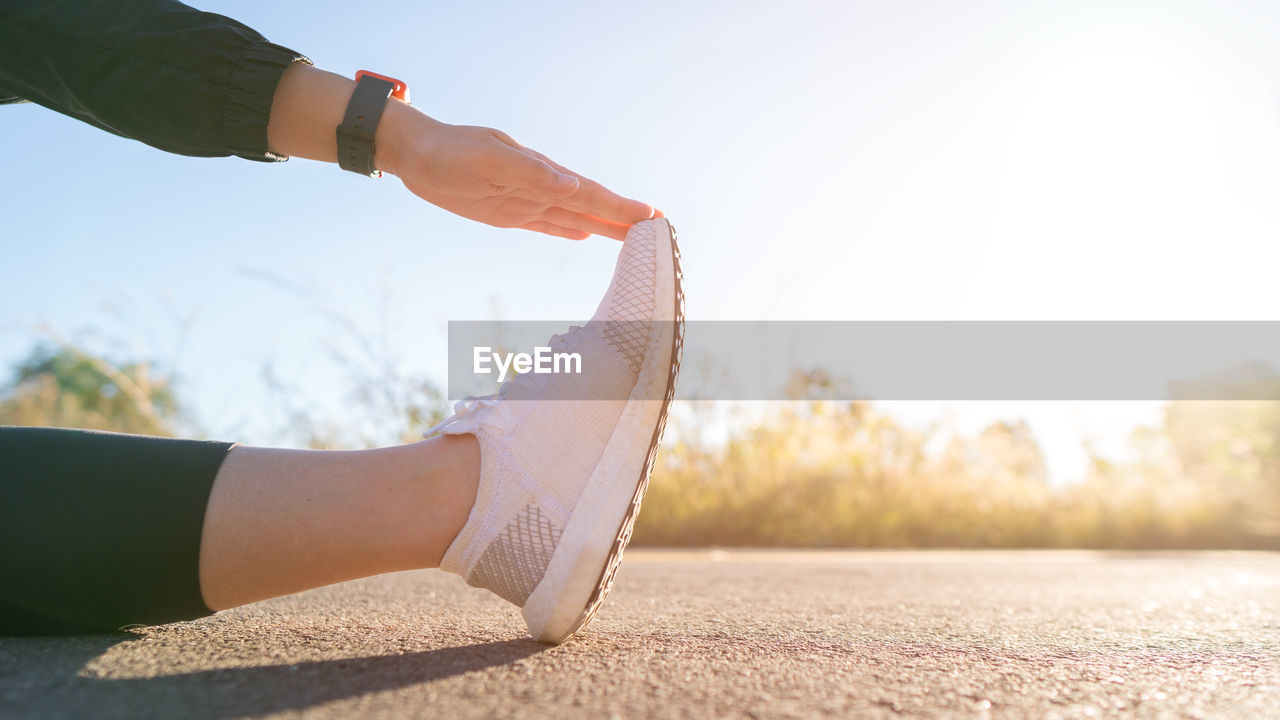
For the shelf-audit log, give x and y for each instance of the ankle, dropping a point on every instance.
(450, 476)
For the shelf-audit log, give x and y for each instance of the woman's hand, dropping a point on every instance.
(478, 173)
(482, 174)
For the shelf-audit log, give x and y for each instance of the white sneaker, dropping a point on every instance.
(565, 459)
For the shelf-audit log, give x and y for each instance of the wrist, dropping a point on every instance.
(392, 136)
(401, 131)
(309, 103)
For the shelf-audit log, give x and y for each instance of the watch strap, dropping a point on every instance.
(360, 125)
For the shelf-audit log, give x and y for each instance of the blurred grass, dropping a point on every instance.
(846, 475)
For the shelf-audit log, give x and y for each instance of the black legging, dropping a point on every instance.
(100, 530)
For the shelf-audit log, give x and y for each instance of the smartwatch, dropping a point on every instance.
(360, 124)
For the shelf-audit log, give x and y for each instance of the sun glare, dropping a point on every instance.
(1117, 133)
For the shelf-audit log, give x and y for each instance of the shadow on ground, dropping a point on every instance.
(51, 679)
(823, 635)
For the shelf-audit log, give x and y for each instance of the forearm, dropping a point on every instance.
(309, 106)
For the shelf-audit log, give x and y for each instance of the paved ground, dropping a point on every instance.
(1054, 635)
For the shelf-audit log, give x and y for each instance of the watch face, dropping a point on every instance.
(399, 88)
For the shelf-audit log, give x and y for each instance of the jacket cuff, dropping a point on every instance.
(246, 108)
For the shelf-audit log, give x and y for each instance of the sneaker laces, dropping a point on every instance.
(473, 411)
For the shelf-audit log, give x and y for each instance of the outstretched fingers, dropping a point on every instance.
(549, 228)
(586, 223)
(592, 198)
(551, 198)
(542, 178)
(595, 200)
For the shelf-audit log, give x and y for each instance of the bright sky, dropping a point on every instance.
(841, 160)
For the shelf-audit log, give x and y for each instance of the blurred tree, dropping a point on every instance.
(1232, 447)
(66, 386)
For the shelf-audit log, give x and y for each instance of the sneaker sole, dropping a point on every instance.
(581, 571)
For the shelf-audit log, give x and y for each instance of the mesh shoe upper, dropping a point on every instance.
(537, 453)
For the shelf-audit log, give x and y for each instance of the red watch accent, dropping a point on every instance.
(400, 91)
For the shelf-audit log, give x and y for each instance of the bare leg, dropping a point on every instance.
(283, 521)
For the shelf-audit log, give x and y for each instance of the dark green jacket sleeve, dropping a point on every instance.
(176, 78)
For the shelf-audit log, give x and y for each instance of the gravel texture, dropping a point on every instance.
(714, 634)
